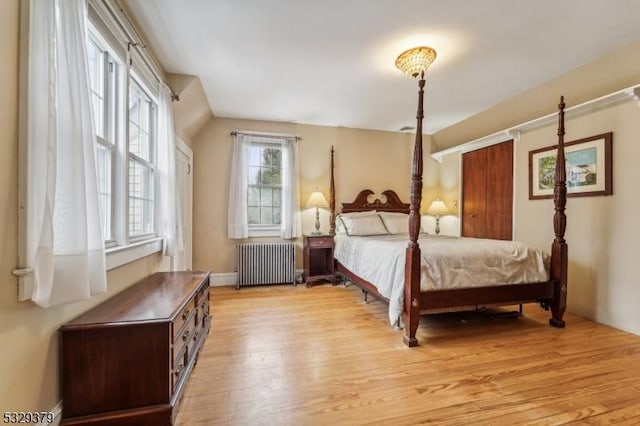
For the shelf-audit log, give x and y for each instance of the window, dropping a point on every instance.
(125, 117)
(98, 92)
(263, 187)
(142, 111)
(104, 71)
(264, 195)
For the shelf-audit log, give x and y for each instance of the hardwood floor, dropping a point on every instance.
(319, 356)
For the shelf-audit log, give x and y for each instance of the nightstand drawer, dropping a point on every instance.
(315, 242)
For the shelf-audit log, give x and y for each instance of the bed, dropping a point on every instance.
(411, 287)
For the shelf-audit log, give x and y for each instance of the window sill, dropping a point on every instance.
(116, 256)
(253, 233)
(121, 255)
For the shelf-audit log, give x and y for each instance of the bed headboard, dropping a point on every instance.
(391, 203)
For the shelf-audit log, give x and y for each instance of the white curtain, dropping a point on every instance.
(237, 219)
(290, 195)
(64, 243)
(168, 212)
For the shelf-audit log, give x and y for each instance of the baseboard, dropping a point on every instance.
(224, 279)
(231, 278)
(57, 416)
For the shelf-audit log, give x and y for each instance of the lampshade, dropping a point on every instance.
(317, 200)
(438, 208)
(415, 61)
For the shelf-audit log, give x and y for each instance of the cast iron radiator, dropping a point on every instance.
(266, 263)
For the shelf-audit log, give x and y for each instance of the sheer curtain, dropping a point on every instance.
(168, 215)
(64, 243)
(237, 219)
(290, 193)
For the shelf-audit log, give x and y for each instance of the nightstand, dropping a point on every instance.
(318, 259)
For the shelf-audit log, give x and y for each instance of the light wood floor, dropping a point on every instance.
(319, 356)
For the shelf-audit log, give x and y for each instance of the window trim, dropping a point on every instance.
(261, 230)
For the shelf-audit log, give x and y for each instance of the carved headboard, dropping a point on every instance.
(391, 203)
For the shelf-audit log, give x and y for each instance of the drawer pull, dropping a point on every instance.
(185, 335)
(185, 314)
(179, 369)
(195, 335)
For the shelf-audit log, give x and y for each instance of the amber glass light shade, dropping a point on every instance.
(415, 61)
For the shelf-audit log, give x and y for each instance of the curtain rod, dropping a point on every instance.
(139, 45)
(265, 135)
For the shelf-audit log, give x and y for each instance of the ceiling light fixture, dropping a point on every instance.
(415, 61)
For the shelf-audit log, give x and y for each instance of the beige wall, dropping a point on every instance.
(29, 367)
(602, 232)
(616, 71)
(364, 159)
(192, 111)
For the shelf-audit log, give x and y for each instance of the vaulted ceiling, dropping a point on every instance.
(331, 62)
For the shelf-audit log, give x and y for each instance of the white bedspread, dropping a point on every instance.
(447, 263)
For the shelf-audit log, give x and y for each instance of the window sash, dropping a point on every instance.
(104, 70)
(264, 212)
(141, 158)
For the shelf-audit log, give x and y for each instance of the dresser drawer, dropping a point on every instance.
(179, 369)
(203, 293)
(187, 314)
(316, 242)
(183, 337)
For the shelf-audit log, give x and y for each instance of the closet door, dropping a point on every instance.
(487, 192)
(499, 206)
(474, 189)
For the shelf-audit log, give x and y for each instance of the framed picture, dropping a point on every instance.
(588, 167)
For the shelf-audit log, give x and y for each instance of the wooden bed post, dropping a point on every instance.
(332, 199)
(411, 312)
(559, 248)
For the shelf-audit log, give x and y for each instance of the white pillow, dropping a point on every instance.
(340, 229)
(396, 223)
(363, 225)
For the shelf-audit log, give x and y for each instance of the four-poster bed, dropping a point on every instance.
(551, 291)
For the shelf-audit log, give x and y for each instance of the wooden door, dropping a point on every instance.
(474, 189)
(487, 192)
(499, 205)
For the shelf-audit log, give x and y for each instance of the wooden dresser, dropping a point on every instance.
(127, 360)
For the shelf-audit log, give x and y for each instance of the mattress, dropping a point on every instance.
(447, 263)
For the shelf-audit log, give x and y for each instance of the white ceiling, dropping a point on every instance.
(331, 62)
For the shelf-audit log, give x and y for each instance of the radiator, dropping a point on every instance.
(266, 263)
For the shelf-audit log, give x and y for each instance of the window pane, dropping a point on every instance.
(264, 185)
(254, 156)
(98, 114)
(276, 158)
(254, 215)
(266, 197)
(266, 175)
(254, 175)
(134, 101)
(276, 216)
(266, 216)
(277, 197)
(275, 176)
(140, 198)
(253, 198)
(104, 188)
(140, 119)
(97, 81)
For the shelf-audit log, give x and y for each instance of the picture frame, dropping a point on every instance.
(588, 167)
